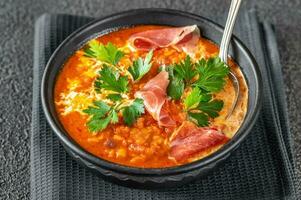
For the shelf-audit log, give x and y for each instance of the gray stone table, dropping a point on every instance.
(16, 50)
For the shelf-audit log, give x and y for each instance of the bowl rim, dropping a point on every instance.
(241, 133)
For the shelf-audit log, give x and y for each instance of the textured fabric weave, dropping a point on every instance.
(261, 168)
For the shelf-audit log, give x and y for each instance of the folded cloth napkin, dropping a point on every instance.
(261, 168)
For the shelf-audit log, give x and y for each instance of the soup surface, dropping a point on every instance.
(149, 96)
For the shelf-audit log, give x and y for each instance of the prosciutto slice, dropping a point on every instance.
(184, 38)
(154, 96)
(189, 140)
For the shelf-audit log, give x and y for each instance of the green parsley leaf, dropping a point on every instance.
(212, 74)
(200, 118)
(114, 97)
(132, 112)
(106, 53)
(110, 79)
(100, 116)
(193, 99)
(140, 67)
(211, 108)
(98, 124)
(176, 85)
(114, 117)
(205, 97)
(176, 88)
(99, 109)
(186, 70)
(200, 106)
(180, 75)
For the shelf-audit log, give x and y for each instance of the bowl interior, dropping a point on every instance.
(98, 27)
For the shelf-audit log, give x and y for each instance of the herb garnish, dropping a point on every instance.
(176, 85)
(101, 114)
(110, 79)
(180, 76)
(212, 74)
(114, 97)
(116, 85)
(205, 77)
(140, 67)
(132, 112)
(209, 75)
(200, 107)
(106, 53)
(185, 70)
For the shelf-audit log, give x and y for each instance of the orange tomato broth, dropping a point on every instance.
(144, 144)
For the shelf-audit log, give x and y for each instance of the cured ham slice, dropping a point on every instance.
(154, 96)
(184, 38)
(189, 140)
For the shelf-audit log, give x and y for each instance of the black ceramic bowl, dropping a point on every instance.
(138, 177)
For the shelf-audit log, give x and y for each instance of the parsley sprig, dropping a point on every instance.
(200, 107)
(110, 79)
(176, 85)
(205, 77)
(212, 73)
(133, 111)
(185, 70)
(108, 53)
(115, 86)
(101, 114)
(140, 67)
(208, 75)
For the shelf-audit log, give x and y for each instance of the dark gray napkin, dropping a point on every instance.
(262, 168)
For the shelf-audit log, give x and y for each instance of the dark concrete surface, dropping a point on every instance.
(16, 50)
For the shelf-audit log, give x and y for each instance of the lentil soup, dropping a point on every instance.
(148, 96)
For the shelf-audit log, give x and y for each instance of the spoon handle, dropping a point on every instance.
(234, 7)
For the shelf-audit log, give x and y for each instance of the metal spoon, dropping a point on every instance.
(223, 53)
